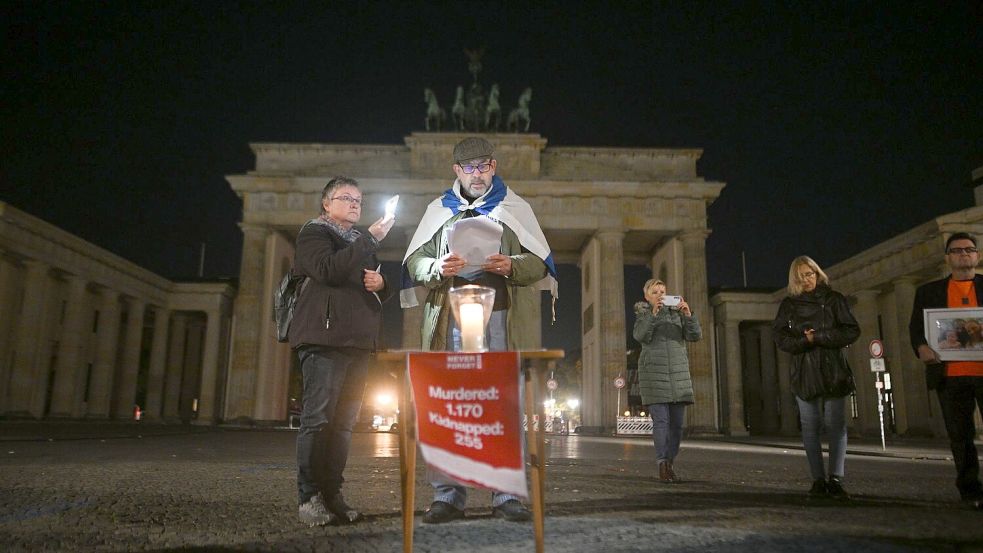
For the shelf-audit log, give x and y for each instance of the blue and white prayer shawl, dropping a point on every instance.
(499, 204)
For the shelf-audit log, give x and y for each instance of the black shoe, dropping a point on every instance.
(341, 509)
(835, 488)
(512, 511)
(440, 512)
(818, 489)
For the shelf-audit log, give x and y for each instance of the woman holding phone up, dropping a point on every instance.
(663, 325)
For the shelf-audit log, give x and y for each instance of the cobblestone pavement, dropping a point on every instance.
(140, 487)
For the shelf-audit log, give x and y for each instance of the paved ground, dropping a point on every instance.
(138, 487)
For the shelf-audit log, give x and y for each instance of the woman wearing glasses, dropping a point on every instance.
(814, 324)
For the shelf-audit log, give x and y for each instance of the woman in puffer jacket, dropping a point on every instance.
(814, 324)
(663, 368)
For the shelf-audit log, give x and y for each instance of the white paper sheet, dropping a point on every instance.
(474, 239)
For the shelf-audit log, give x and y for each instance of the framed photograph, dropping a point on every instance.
(956, 334)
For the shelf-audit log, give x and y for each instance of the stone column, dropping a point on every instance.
(611, 308)
(175, 368)
(29, 374)
(769, 381)
(865, 311)
(735, 379)
(9, 304)
(788, 407)
(126, 388)
(702, 416)
(209, 369)
(249, 322)
(158, 359)
(913, 371)
(73, 330)
(107, 341)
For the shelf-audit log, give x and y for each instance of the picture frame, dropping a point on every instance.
(955, 334)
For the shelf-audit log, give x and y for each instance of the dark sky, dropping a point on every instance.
(835, 126)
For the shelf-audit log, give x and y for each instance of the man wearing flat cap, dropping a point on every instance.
(523, 267)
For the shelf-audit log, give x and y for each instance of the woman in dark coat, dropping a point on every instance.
(814, 324)
(663, 368)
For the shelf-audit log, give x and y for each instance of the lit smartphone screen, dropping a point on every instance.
(391, 205)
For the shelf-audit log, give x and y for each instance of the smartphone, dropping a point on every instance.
(391, 205)
(671, 301)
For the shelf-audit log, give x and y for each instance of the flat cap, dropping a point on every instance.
(473, 148)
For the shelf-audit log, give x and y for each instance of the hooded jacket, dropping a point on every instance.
(820, 368)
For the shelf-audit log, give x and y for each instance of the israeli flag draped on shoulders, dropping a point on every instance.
(499, 204)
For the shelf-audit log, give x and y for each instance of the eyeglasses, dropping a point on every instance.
(481, 167)
(349, 200)
(807, 274)
(958, 251)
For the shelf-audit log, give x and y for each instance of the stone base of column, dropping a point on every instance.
(202, 422)
(20, 416)
(594, 431)
(738, 433)
(703, 432)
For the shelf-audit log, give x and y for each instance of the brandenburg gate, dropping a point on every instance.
(600, 208)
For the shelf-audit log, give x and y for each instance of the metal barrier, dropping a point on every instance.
(634, 426)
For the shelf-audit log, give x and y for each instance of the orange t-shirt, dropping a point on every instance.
(962, 294)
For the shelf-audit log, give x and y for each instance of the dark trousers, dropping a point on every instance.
(959, 397)
(334, 380)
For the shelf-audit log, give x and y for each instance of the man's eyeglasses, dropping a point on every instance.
(958, 251)
(349, 200)
(481, 167)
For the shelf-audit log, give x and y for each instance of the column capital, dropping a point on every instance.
(906, 280)
(700, 234)
(35, 265)
(134, 303)
(108, 294)
(610, 233)
(864, 295)
(255, 227)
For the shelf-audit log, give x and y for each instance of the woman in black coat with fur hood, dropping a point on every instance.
(814, 324)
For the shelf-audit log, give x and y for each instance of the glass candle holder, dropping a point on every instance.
(472, 307)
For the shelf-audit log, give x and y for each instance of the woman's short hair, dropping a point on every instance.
(650, 283)
(794, 284)
(335, 184)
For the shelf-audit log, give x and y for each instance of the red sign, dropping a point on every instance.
(468, 417)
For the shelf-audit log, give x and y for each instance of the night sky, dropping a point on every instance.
(835, 126)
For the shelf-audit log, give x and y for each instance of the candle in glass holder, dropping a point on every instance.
(472, 327)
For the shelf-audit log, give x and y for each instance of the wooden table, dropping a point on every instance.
(532, 363)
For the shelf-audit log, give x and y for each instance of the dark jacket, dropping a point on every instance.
(934, 295)
(819, 369)
(333, 308)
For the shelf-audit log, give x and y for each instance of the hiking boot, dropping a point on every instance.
(665, 473)
(818, 489)
(314, 513)
(672, 473)
(512, 511)
(440, 512)
(835, 488)
(342, 510)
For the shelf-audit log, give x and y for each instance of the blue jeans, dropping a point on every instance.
(334, 380)
(446, 489)
(811, 415)
(667, 429)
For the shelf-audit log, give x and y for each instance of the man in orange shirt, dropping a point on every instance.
(958, 384)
